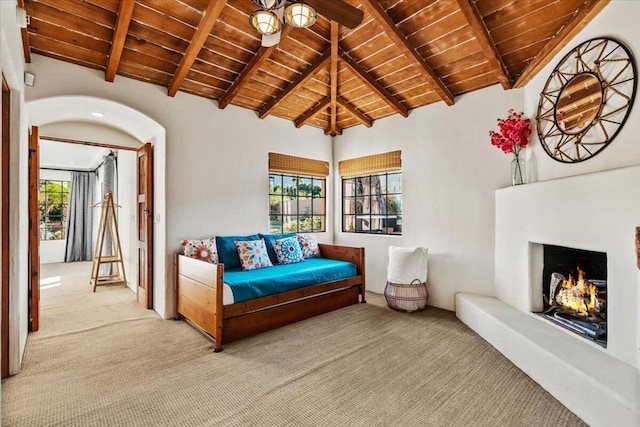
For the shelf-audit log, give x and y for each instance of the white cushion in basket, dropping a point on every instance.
(407, 264)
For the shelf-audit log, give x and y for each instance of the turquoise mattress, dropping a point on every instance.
(251, 284)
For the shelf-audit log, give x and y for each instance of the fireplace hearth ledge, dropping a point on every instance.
(600, 389)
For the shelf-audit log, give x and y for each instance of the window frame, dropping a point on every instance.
(298, 216)
(43, 223)
(383, 217)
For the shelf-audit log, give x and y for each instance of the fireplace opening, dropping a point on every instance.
(574, 291)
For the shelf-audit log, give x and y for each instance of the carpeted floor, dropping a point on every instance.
(363, 365)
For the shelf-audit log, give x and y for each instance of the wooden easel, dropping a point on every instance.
(107, 220)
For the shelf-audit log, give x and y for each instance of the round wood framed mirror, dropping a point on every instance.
(586, 100)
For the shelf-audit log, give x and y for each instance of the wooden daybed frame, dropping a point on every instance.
(199, 287)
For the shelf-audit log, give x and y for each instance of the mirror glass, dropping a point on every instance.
(578, 103)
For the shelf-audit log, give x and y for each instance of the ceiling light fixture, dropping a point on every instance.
(300, 15)
(97, 114)
(265, 22)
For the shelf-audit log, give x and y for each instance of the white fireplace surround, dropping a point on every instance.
(597, 212)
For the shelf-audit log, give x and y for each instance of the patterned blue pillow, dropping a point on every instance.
(268, 241)
(309, 245)
(287, 250)
(253, 254)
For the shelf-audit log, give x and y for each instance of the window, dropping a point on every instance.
(296, 203)
(372, 204)
(53, 198)
(372, 194)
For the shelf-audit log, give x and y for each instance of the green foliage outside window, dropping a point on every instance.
(53, 200)
(296, 204)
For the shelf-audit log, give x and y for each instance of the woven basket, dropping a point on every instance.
(411, 297)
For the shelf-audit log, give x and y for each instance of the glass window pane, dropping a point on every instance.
(275, 184)
(319, 206)
(305, 224)
(394, 204)
(377, 204)
(394, 183)
(362, 205)
(318, 187)
(363, 223)
(349, 206)
(289, 224)
(275, 205)
(363, 186)
(318, 223)
(348, 187)
(397, 229)
(376, 184)
(377, 224)
(348, 223)
(304, 206)
(289, 186)
(304, 187)
(383, 182)
(275, 224)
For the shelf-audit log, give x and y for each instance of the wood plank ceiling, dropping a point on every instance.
(404, 55)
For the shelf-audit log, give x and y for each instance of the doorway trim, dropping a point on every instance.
(6, 125)
(144, 129)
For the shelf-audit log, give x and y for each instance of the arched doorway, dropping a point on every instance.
(142, 128)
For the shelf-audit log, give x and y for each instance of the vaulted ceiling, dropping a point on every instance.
(404, 55)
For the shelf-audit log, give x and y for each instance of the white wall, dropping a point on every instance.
(89, 132)
(217, 160)
(127, 213)
(12, 63)
(53, 250)
(619, 20)
(450, 172)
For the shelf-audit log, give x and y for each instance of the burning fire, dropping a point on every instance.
(580, 297)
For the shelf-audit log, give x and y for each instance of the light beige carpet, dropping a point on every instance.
(364, 365)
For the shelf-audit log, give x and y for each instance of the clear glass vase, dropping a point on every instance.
(518, 173)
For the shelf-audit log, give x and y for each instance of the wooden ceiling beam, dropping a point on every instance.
(312, 112)
(252, 66)
(407, 48)
(337, 132)
(333, 128)
(26, 48)
(374, 85)
(125, 10)
(480, 31)
(355, 112)
(209, 18)
(583, 16)
(301, 80)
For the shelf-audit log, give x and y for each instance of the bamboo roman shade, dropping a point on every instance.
(282, 163)
(368, 165)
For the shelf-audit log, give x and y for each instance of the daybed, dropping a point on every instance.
(200, 288)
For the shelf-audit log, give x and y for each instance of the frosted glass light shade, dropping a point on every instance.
(265, 22)
(300, 15)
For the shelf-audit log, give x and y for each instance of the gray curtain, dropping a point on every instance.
(79, 244)
(108, 186)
